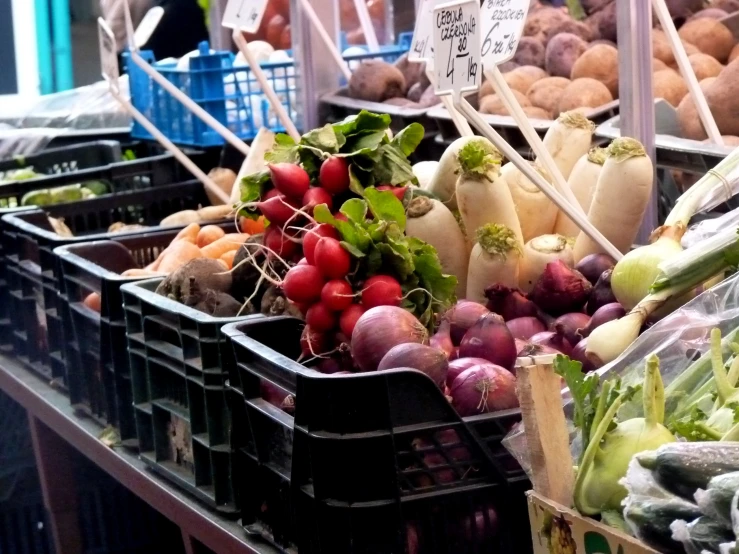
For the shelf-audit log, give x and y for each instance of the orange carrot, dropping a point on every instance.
(93, 301)
(177, 254)
(209, 234)
(231, 241)
(252, 226)
(189, 233)
(228, 258)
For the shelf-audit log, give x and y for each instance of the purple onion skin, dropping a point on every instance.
(489, 338)
(578, 354)
(486, 527)
(483, 389)
(515, 305)
(442, 339)
(462, 316)
(560, 289)
(568, 326)
(459, 365)
(525, 327)
(601, 294)
(553, 340)
(530, 350)
(593, 266)
(381, 328)
(604, 314)
(423, 358)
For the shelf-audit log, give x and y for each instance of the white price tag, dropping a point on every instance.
(502, 28)
(422, 47)
(456, 33)
(147, 26)
(108, 53)
(245, 15)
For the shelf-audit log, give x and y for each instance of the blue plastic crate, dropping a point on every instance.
(231, 94)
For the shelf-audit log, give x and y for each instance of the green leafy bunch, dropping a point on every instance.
(380, 245)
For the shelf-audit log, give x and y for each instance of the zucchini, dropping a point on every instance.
(715, 501)
(702, 534)
(684, 467)
(650, 519)
(735, 515)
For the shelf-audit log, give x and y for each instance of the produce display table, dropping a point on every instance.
(55, 426)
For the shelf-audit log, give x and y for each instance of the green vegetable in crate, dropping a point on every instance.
(608, 449)
(716, 500)
(98, 188)
(58, 195)
(701, 535)
(19, 175)
(650, 519)
(37, 198)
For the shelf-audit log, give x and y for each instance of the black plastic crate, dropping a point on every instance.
(31, 268)
(71, 158)
(101, 385)
(371, 462)
(180, 365)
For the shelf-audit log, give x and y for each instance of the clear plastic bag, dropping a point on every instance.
(709, 227)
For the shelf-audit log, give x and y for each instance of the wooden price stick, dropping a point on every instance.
(462, 125)
(704, 112)
(311, 13)
(367, 28)
(539, 394)
(279, 108)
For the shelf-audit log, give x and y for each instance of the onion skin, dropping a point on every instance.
(432, 457)
(524, 328)
(509, 303)
(568, 326)
(459, 365)
(531, 350)
(489, 338)
(560, 289)
(592, 266)
(606, 313)
(578, 354)
(381, 328)
(553, 340)
(423, 358)
(601, 294)
(442, 339)
(483, 389)
(462, 316)
(486, 528)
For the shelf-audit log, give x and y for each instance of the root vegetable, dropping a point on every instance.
(459, 365)
(228, 242)
(537, 113)
(178, 254)
(562, 52)
(668, 84)
(254, 162)
(524, 328)
(710, 36)
(432, 222)
(658, 65)
(334, 175)
(593, 266)
(542, 19)
(331, 259)
(93, 301)
(349, 317)
(376, 81)
(303, 284)
(225, 179)
(209, 234)
(569, 138)
(381, 290)
(604, 314)
(734, 54)
(721, 99)
(462, 316)
(615, 211)
(493, 104)
(537, 254)
(278, 209)
(710, 13)
(315, 196)
(313, 235)
(577, 28)
(560, 289)
(424, 172)
(599, 62)
(530, 52)
(704, 66)
(494, 260)
(337, 295)
(553, 341)
(194, 277)
(546, 93)
(185, 217)
(521, 78)
(189, 233)
(661, 49)
(214, 213)
(483, 389)
(584, 93)
(421, 357)
(442, 339)
(582, 183)
(536, 213)
(489, 338)
(569, 325)
(320, 317)
(290, 179)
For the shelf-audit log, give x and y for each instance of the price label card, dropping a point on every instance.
(108, 53)
(422, 47)
(502, 28)
(245, 15)
(456, 34)
(147, 26)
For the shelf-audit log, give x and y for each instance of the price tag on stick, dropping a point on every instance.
(108, 54)
(244, 15)
(456, 33)
(422, 46)
(502, 28)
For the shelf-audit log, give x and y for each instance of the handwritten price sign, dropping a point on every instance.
(456, 33)
(422, 47)
(502, 27)
(245, 15)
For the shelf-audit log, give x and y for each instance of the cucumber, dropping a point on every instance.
(703, 534)
(650, 519)
(684, 467)
(715, 501)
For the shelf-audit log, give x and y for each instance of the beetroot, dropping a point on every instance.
(560, 289)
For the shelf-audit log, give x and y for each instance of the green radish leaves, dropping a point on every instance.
(478, 158)
(385, 206)
(408, 139)
(251, 188)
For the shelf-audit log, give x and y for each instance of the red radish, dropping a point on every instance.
(312, 342)
(349, 317)
(302, 261)
(290, 179)
(313, 235)
(381, 290)
(278, 209)
(279, 242)
(334, 175)
(320, 317)
(331, 259)
(340, 216)
(399, 192)
(303, 283)
(337, 295)
(315, 196)
(270, 193)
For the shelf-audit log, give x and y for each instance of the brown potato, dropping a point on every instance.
(523, 77)
(704, 66)
(661, 49)
(539, 21)
(579, 28)
(492, 104)
(537, 113)
(729, 6)
(687, 114)
(710, 36)
(376, 81)
(710, 13)
(669, 85)
(658, 65)
(734, 54)
(486, 89)
(599, 63)
(547, 93)
(722, 99)
(584, 93)
(690, 49)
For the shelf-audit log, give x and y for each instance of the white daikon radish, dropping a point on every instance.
(536, 213)
(537, 253)
(621, 197)
(424, 172)
(568, 139)
(443, 184)
(254, 162)
(432, 222)
(482, 194)
(582, 183)
(494, 260)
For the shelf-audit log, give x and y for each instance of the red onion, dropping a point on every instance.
(458, 366)
(485, 527)
(552, 340)
(525, 327)
(442, 339)
(593, 266)
(509, 303)
(606, 313)
(448, 442)
(462, 316)
(455, 354)
(568, 325)
(489, 338)
(381, 328)
(578, 354)
(411, 538)
(277, 396)
(560, 289)
(329, 366)
(484, 388)
(530, 350)
(424, 358)
(601, 293)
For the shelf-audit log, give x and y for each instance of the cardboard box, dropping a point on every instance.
(552, 524)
